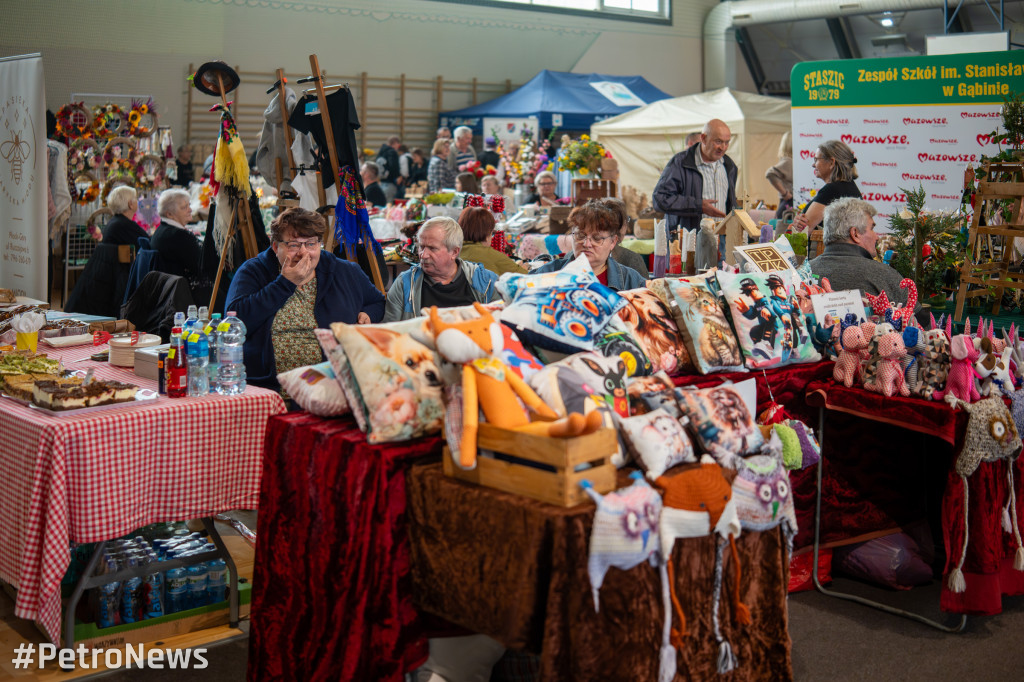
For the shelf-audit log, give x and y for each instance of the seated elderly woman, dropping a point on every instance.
(477, 226)
(179, 250)
(292, 288)
(595, 233)
(122, 228)
(545, 182)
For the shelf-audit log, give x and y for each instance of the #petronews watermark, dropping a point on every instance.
(133, 655)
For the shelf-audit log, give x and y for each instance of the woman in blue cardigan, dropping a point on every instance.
(292, 288)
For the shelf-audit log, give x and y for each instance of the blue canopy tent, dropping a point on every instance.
(579, 99)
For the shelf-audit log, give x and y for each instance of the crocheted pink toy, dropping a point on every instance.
(853, 351)
(960, 383)
(889, 378)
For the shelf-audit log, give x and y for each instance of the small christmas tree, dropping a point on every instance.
(914, 228)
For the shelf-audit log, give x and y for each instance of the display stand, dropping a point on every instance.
(989, 271)
(583, 190)
(240, 221)
(736, 226)
(332, 152)
(282, 97)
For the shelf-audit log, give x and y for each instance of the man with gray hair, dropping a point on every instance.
(462, 151)
(180, 253)
(441, 278)
(849, 257)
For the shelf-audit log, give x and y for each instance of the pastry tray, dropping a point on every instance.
(145, 396)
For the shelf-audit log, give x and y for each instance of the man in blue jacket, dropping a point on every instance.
(291, 288)
(697, 183)
(441, 278)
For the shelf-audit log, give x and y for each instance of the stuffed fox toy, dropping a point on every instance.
(489, 384)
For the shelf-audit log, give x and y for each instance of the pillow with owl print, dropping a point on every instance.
(700, 316)
(770, 326)
(722, 419)
(657, 442)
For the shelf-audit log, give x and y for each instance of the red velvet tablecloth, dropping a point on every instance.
(331, 591)
(988, 567)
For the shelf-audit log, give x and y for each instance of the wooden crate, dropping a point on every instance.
(559, 487)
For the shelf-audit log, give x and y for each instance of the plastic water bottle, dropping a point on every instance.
(196, 585)
(153, 589)
(198, 352)
(231, 372)
(213, 338)
(179, 319)
(217, 580)
(190, 321)
(176, 597)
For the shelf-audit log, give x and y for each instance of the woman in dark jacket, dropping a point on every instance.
(121, 229)
(417, 167)
(180, 253)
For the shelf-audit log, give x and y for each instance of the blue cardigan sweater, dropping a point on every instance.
(258, 291)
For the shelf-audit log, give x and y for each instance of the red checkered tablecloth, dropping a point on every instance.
(91, 476)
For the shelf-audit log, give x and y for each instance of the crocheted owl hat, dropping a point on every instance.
(991, 436)
(697, 503)
(624, 535)
(625, 530)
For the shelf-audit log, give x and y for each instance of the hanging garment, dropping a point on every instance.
(272, 145)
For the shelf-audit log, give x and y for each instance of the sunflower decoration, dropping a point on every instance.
(74, 121)
(108, 121)
(136, 116)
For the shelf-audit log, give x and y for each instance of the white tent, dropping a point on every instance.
(643, 140)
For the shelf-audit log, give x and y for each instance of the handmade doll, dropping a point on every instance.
(853, 352)
(889, 375)
(488, 384)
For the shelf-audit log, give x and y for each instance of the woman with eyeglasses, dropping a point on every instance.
(545, 182)
(834, 163)
(292, 288)
(595, 234)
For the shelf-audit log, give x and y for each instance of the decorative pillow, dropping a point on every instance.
(642, 388)
(575, 272)
(700, 315)
(389, 377)
(618, 341)
(770, 327)
(562, 317)
(657, 442)
(654, 327)
(316, 389)
(722, 419)
(585, 382)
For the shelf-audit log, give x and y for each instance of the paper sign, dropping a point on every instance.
(833, 307)
(618, 94)
(764, 257)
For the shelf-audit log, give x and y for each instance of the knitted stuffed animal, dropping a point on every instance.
(889, 378)
(993, 368)
(933, 365)
(991, 435)
(916, 344)
(853, 352)
(488, 384)
(874, 358)
(960, 384)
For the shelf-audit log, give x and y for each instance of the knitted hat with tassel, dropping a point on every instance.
(991, 435)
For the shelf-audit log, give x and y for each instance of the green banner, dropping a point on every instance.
(977, 78)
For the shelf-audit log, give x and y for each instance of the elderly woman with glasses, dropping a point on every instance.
(595, 234)
(545, 182)
(834, 163)
(292, 288)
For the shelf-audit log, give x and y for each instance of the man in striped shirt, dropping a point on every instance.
(697, 183)
(462, 151)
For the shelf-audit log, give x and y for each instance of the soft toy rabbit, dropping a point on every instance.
(993, 368)
(489, 384)
(960, 383)
(854, 350)
(889, 376)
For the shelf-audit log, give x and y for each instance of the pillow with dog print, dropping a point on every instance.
(657, 441)
(392, 381)
(583, 383)
(722, 419)
(700, 315)
(566, 318)
(770, 326)
(654, 327)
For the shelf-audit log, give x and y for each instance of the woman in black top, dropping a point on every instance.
(417, 167)
(834, 163)
(179, 250)
(121, 229)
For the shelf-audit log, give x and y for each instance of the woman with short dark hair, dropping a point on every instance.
(292, 288)
(595, 233)
(477, 227)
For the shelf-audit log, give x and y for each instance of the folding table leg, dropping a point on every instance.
(852, 597)
(211, 528)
